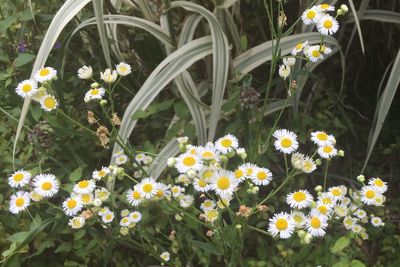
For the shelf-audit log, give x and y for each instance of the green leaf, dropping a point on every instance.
(63, 247)
(23, 59)
(357, 263)
(76, 174)
(18, 237)
(206, 247)
(340, 244)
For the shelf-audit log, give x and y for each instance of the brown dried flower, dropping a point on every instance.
(91, 118)
(244, 211)
(262, 208)
(102, 133)
(115, 119)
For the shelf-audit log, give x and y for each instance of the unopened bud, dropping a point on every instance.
(361, 178)
(171, 162)
(103, 102)
(318, 162)
(178, 217)
(223, 158)
(238, 226)
(191, 173)
(340, 153)
(94, 85)
(344, 8)
(339, 12)
(318, 188)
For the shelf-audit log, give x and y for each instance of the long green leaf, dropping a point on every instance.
(220, 61)
(98, 13)
(379, 15)
(160, 163)
(165, 72)
(383, 107)
(355, 15)
(64, 15)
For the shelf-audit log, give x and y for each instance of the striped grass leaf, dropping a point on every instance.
(220, 48)
(160, 163)
(357, 21)
(98, 13)
(64, 15)
(379, 15)
(165, 72)
(146, 10)
(383, 106)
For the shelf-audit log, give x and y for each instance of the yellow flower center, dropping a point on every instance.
(323, 209)
(299, 46)
(262, 175)
(134, 216)
(123, 68)
(207, 174)
(86, 198)
(223, 183)
(322, 136)
(226, 143)
(327, 149)
(19, 202)
(83, 184)
(71, 203)
(108, 216)
(315, 53)
(336, 192)
(147, 188)
(324, 6)
(207, 204)
(378, 183)
(370, 194)
(26, 88)
(49, 102)
(208, 154)
(327, 200)
(297, 218)
(281, 224)
(286, 142)
(160, 193)
(202, 183)
(46, 186)
(311, 14)
(212, 215)
(94, 91)
(189, 161)
(238, 173)
(44, 72)
(328, 24)
(136, 195)
(102, 173)
(299, 196)
(18, 177)
(315, 223)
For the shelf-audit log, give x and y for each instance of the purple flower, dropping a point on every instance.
(21, 46)
(57, 45)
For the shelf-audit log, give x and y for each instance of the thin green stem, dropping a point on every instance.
(326, 173)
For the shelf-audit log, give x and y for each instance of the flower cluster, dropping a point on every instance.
(42, 93)
(41, 186)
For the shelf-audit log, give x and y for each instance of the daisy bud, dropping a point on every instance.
(223, 158)
(340, 153)
(284, 71)
(240, 151)
(103, 102)
(182, 148)
(318, 162)
(124, 231)
(301, 234)
(361, 178)
(307, 238)
(339, 12)
(97, 202)
(171, 162)
(255, 190)
(35, 196)
(289, 61)
(42, 90)
(183, 140)
(231, 154)
(191, 173)
(318, 188)
(344, 8)
(94, 85)
(209, 233)
(178, 217)
(238, 226)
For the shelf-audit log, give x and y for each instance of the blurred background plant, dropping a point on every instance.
(351, 110)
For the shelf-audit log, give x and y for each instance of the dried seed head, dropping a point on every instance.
(115, 119)
(249, 97)
(244, 211)
(102, 133)
(91, 118)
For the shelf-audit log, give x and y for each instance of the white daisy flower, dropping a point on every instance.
(323, 208)
(177, 190)
(325, 7)
(361, 214)
(188, 161)
(286, 141)
(349, 222)
(249, 169)
(125, 221)
(98, 175)
(299, 199)
(147, 188)
(224, 201)
(103, 211)
(224, 182)
(316, 224)
(368, 195)
(27, 88)
(109, 76)
(19, 178)
(201, 185)
(135, 216)
(284, 71)
(76, 222)
(123, 69)
(299, 218)
(48, 102)
(341, 210)
(326, 50)
(183, 179)
(358, 229)
(321, 138)
(209, 152)
(46, 185)
(282, 224)
(103, 194)
(186, 201)
(121, 159)
(207, 174)
(124, 212)
(85, 72)
(313, 53)
(94, 93)
(297, 160)
(379, 185)
(84, 186)
(162, 190)
(72, 205)
(207, 205)
(337, 193)
(240, 174)
(327, 25)
(311, 15)
(211, 215)
(346, 201)
(19, 201)
(376, 221)
(308, 165)
(299, 48)
(45, 74)
(289, 61)
(165, 256)
(227, 143)
(86, 198)
(139, 157)
(108, 217)
(262, 176)
(327, 198)
(327, 151)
